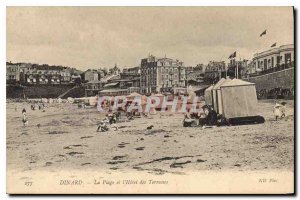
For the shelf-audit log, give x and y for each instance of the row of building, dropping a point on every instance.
(154, 74)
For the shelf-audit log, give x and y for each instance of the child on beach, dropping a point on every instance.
(277, 111)
(283, 108)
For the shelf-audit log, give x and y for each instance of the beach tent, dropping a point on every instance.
(70, 100)
(59, 100)
(44, 100)
(208, 96)
(239, 99)
(216, 94)
(93, 101)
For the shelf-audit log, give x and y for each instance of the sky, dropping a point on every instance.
(95, 37)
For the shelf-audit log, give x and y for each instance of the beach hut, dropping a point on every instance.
(216, 95)
(93, 101)
(70, 100)
(134, 95)
(208, 96)
(238, 99)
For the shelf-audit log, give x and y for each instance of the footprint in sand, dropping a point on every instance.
(48, 164)
(122, 144)
(179, 164)
(56, 132)
(118, 157)
(73, 153)
(75, 145)
(85, 137)
(114, 168)
(85, 164)
(116, 162)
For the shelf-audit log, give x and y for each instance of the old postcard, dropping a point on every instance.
(150, 100)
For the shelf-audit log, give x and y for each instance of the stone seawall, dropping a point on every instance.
(282, 79)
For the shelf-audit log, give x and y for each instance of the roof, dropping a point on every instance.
(209, 88)
(221, 82)
(197, 88)
(134, 94)
(94, 81)
(113, 90)
(158, 95)
(236, 82)
(111, 84)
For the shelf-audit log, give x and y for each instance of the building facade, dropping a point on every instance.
(92, 88)
(214, 71)
(161, 74)
(195, 75)
(274, 57)
(12, 73)
(91, 75)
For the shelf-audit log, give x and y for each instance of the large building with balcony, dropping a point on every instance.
(272, 58)
(161, 74)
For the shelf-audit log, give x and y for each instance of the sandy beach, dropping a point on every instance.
(64, 138)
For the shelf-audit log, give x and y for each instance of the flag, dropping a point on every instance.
(233, 55)
(273, 45)
(263, 33)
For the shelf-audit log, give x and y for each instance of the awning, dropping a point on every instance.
(111, 85)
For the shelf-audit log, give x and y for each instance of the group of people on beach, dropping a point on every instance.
(112, 118)
(38, 106)
(109, 121)
(205, 117)
(34, 106)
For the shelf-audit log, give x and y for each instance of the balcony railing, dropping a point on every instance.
(274, 69)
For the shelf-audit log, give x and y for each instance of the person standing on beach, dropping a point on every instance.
(277, 111)
(24, 120)
(23, 111)
(283, 108)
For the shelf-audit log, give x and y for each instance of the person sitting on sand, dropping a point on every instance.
(103, 125)
(211, 118)
(23, 111)
(188, 121)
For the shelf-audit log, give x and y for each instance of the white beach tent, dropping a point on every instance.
(238, 99)
(208, 96)
(216, 94)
